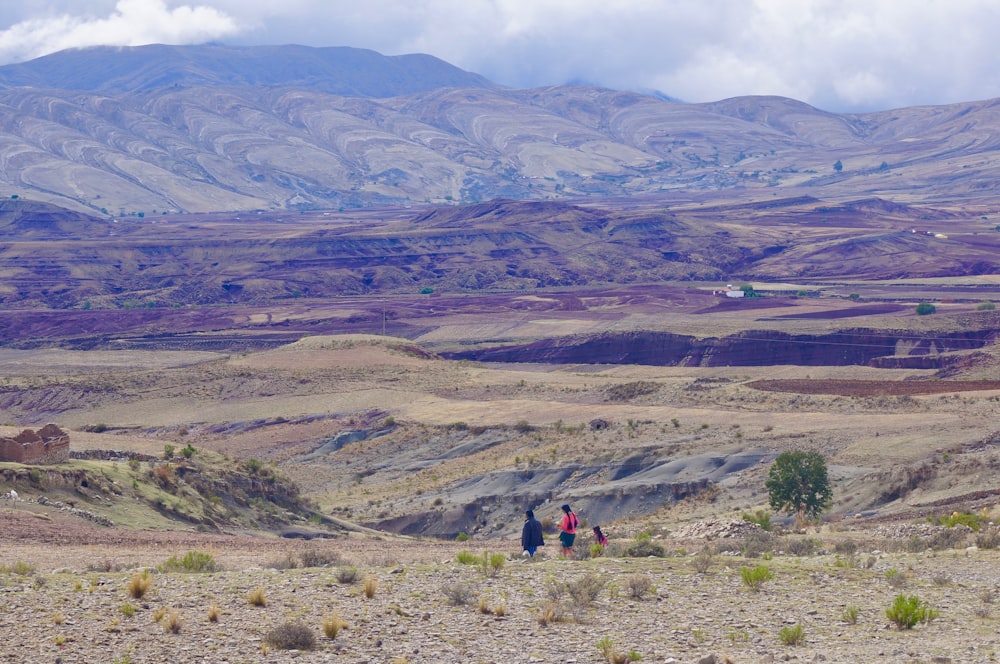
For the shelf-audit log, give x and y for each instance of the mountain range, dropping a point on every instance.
(154, 130)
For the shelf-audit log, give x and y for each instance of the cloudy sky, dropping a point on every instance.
(839, 55)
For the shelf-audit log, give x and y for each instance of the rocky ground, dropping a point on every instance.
(64, 598)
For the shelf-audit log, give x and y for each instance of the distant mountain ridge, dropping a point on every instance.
(340, 70)
(157, 129)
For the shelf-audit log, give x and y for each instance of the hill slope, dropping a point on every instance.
(202, 128)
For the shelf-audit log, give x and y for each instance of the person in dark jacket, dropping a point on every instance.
(531, 534)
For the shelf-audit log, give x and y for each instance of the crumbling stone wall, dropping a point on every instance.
(50, 444)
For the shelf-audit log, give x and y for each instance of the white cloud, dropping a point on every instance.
(130, 23)
(835, 54)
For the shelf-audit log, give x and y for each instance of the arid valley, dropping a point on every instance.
(324, 416)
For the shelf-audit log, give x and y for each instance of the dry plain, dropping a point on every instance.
(464, 446)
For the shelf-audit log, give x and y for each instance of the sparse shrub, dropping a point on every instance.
(214, 613)
(127, 609)
(792, 635)
(608, 652)
(895, 578)
(757, 543)
(257, 597)
(163, 474)
(158, 614)
(484, 606)
(20, 568)
(188, 451)
(985, 305)
(585, 589)
(371, 585)
(522, 426)
(760, 517)
(172, 622)
(941, 580)
(846, 546)
(319, 558)
(492, 563)
(644, 548)
(347, 575)
(332, 624)
(596, 550)
(457, 594)
(287, 561)
(461, 537)
(907, 611)
(801, 546)
(702, 561)
(959, 519)
(292, 635)
(58, 618)
(139, 584)
(500, 610)
(192, 561)
(168, 452)
(638, 585)
(755, 577)
(468, 558)
(988, 538)
(850, 614)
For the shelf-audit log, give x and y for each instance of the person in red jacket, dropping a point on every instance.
(567, 531)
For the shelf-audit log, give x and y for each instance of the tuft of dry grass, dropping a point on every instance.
(214, 613)
(484, 606)
(371, 585)
(332, 624)
(139, 584)
(172, 622)
(256, 597)
(551, 612)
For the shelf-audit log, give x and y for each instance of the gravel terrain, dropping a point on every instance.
(69, 608)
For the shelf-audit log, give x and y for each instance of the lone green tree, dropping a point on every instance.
(798, 484)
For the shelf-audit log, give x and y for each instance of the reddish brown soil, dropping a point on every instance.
(871, 388)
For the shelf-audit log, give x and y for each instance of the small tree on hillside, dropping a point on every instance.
(798, 484)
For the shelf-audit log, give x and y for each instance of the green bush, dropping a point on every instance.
(792, 635)
(925, 308)
(193, 561)
(644, 548)
(468, 558)
(755, 577)
(973, 521)
(491, 563)
(760, 517)
(907, 611)
(985, 305)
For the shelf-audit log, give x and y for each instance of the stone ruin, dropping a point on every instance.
(49, 445)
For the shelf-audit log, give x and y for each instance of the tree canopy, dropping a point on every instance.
(798, 484)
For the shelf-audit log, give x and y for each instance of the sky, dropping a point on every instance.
(837, 55)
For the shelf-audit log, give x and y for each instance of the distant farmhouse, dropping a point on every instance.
(49, 445)
(730, 291)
